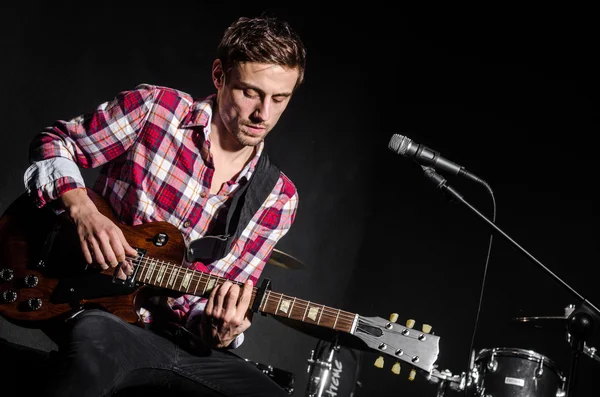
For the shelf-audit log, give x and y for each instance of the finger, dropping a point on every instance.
(246, 296)
(208, 309)
(121, 275)
(107, 250)
(97, 252)
(117, 247)
(220, 299)
(129, 250)
(230, 303)
(127, 267)
(87, 255)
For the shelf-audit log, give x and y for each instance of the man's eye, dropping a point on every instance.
(250, 94)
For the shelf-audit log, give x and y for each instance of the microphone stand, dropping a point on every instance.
(580, 322)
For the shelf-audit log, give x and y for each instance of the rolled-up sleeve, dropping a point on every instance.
(88, 141)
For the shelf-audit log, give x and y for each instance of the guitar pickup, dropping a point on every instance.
(130, 281)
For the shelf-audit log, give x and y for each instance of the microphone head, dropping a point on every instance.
(399, 144)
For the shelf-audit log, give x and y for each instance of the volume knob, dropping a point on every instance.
(9, 296)
(34, 303)
(6, 274)
(31, 280)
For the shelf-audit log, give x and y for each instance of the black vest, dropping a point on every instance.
(229, 225)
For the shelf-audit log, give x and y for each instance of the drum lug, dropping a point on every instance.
(492, 365)
(540, 369)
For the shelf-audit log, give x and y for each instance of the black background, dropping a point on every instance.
(507, 92)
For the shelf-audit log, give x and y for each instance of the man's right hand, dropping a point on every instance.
(102, 242)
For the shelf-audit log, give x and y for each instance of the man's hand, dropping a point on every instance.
(102, 242)
(225, 317)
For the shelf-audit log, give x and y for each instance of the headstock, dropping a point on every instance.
(419, 348)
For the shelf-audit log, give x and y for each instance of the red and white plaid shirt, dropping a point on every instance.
(154, 145)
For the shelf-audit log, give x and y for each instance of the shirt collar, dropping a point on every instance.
(200, 115)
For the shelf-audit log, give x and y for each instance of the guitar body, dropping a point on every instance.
(44, 276)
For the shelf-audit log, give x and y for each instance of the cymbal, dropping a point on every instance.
(281, 259)
(543, 321)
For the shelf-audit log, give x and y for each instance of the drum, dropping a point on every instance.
(333, 370)
(512, 372)
(283, 378)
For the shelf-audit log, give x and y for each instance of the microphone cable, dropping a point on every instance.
(471, 362)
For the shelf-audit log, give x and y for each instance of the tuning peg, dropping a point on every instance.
(426, 328)
(379, 362)
(394, 317)
(410, 323)
(396, 368)
(412, 374)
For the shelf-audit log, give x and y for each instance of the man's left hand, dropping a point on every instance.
(225, 317)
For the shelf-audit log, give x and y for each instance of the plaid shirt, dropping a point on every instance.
(153, 143)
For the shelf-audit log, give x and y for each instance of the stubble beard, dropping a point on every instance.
(247, 140)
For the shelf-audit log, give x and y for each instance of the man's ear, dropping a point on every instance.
(218, 75)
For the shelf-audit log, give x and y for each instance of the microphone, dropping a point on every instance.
(424, 155)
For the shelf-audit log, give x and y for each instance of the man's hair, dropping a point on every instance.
(263, 39)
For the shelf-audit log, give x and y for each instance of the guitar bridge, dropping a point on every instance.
(130, 280)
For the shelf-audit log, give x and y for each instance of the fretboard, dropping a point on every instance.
(178, 278)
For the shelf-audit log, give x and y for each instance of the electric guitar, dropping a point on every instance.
(43, 276)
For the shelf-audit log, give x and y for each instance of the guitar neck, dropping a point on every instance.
(174, 277)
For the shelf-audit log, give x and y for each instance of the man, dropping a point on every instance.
(167, 156)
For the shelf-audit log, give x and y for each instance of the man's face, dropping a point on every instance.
(253, 98)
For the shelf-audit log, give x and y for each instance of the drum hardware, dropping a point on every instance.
(578, 324)
(580, 321)
(320, 370)
(504, 372)
(283, 378)
(333, 369)
(590, 352)
(446, 380)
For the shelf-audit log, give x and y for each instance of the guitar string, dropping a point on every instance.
(327, 312)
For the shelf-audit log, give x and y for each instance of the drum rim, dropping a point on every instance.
(530, 355)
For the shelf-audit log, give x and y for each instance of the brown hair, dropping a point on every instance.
(263, 39)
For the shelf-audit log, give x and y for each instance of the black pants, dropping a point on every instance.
(104, 355)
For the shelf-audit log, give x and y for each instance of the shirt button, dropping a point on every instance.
(186, 224)
(203, 194)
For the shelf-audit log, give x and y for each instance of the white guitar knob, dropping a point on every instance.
(394, 317)
(426, 328)
(410, 323)
(396, 368)
(379, 362)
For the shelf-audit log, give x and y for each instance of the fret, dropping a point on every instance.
(186, 280)
(305, 310)
(336, 318)
(197, 283)
(265, 300)
(160, 274)
(211, 283)
(206, 285)
(171, 277)
(177, 277)
(322, 309)
(151, 270)
(148, 267)
(278, 303)
(144, 268)
(292, 307)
